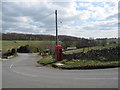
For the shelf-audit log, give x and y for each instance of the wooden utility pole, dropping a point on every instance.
(56, 28)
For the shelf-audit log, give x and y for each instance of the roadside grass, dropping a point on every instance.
(86, 64)
(46, 60)
(87, 49)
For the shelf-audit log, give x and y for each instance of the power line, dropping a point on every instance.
(46, 16)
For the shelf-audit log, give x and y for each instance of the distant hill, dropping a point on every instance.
(18, 36)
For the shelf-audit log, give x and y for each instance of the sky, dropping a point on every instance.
(79, 18)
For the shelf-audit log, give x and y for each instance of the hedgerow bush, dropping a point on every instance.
(24, 49)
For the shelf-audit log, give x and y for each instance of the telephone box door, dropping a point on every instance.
(58, 53)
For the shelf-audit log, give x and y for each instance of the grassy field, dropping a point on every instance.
(7, 45)
(87, 49)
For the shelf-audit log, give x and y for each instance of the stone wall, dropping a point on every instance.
(100, 54)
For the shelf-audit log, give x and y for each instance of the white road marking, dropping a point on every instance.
(24, 74)
(20, 72)
(11, 65)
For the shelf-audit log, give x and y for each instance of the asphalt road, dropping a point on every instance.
(22, 72)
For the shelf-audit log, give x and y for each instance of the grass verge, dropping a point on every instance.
(46, 60)
(86, 64)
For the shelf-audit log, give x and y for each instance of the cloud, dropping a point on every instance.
(76, 18)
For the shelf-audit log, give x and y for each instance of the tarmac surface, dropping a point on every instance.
(22, 72)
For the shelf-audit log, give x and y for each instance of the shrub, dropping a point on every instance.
(13, 51)
(24, 49)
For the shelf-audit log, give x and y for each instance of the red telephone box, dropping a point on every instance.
(58, 53)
